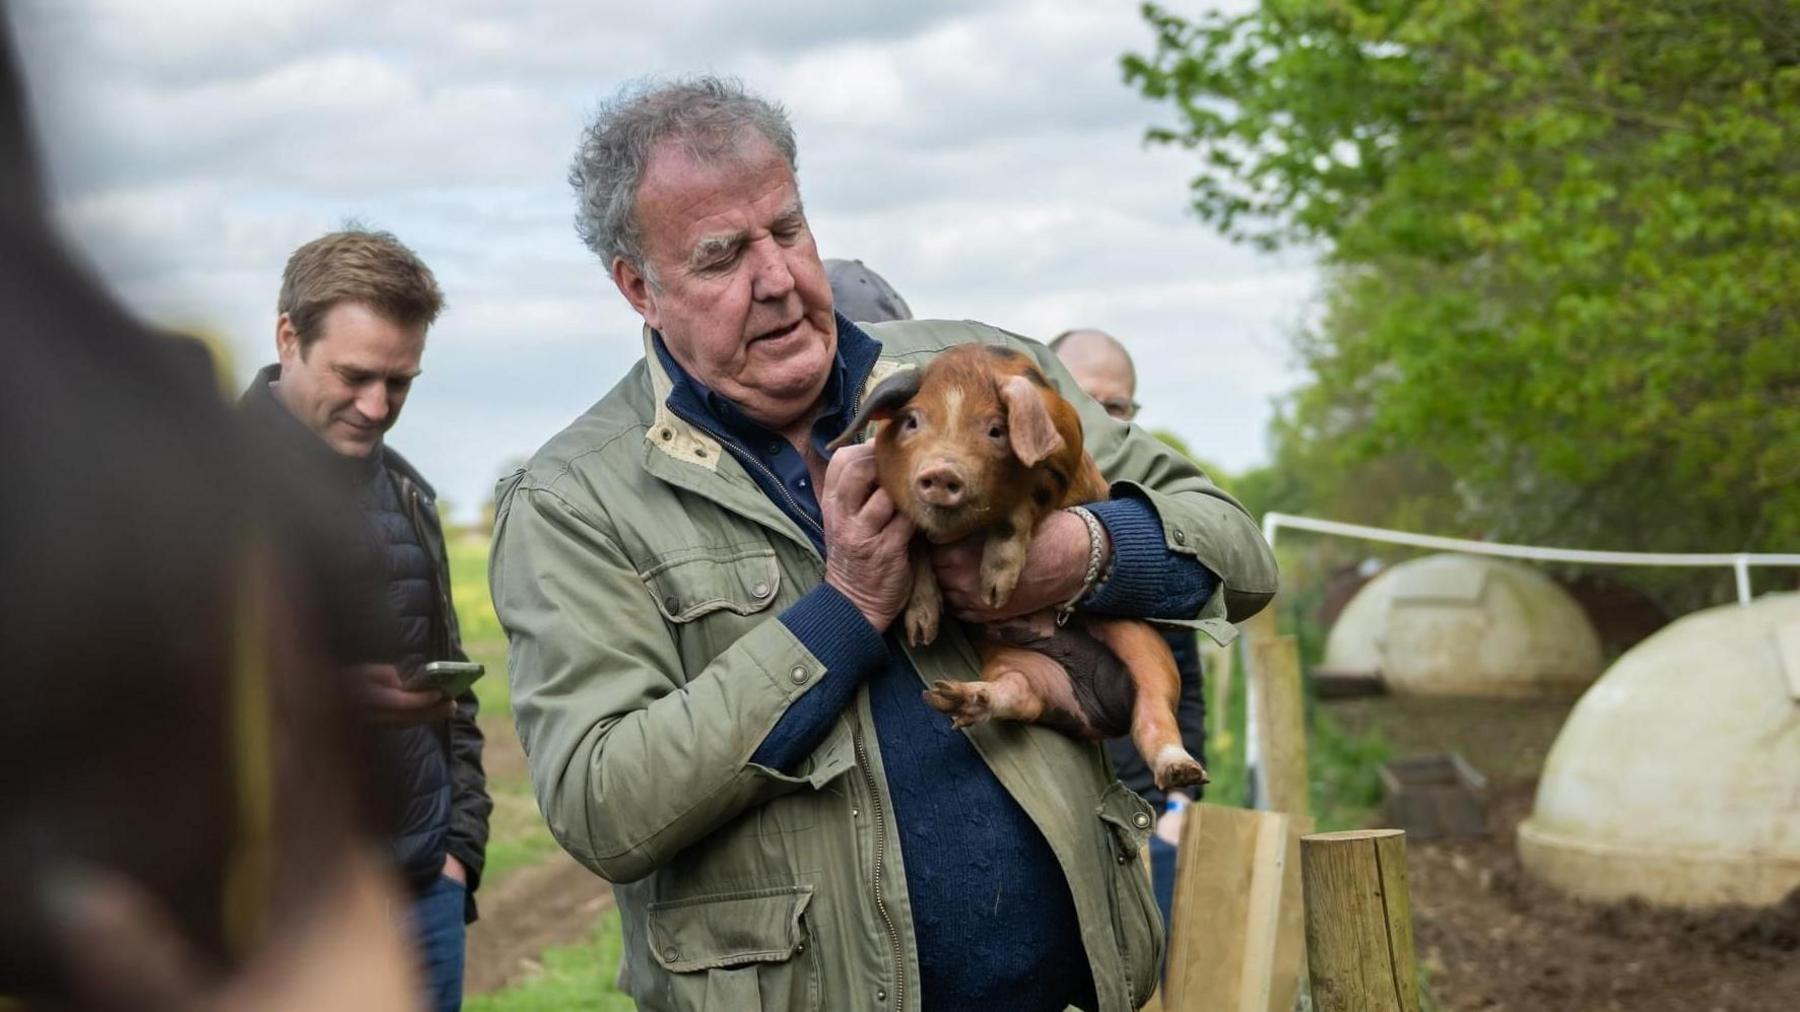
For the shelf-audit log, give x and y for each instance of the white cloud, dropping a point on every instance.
(986, 158)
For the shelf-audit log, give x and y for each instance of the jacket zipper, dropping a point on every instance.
(862, 753)
(746, 457)
(862, 760)
(438, 576)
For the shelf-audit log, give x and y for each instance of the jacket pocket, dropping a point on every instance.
(1128, 821)
(733, 951)
(697, 582)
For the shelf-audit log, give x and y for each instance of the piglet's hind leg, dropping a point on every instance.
(1153, 729)
(1016, 684)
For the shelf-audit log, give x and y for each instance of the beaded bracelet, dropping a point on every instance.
(1096, 549)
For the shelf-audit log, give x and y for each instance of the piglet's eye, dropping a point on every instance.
(911, 423)
(996, 431)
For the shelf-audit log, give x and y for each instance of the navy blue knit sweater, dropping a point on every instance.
(993, 918)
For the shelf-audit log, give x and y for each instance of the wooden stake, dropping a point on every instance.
(1255, 629)
(1236, 945)
(1359, 944)
(1281, 724)
(1219, 662)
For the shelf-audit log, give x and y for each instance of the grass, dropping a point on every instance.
(517, 836)
(483, 639)
(516, 833)
(1344, 767)
(577, 976)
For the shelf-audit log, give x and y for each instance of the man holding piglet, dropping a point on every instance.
(721, 715)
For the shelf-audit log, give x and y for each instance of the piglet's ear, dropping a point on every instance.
(1028, 424)
(888, 397)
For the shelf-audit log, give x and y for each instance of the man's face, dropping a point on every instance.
(350, 384)
(1106, 379)
(740, 296)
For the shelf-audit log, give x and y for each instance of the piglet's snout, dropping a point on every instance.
(940, 483)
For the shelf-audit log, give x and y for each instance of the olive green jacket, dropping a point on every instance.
(639, 572)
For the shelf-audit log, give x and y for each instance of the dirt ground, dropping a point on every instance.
(1493, 940)
(552, 903)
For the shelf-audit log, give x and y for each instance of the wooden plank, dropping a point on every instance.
(1288, 972)
(1262, 920)
(1281, 724)
(1237, 940)
(1213, 873)
(1359, 945)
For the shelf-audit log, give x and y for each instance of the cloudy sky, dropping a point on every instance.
(984, 156)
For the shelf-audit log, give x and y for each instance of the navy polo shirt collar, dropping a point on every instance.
(857, 354)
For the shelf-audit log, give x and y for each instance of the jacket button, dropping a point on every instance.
(700, 451)
(1142, 820)
(761, 590)
(880, 995)
(1180, 536)
(798, 675)
(672, 603)
(667, 434)
(671, 955)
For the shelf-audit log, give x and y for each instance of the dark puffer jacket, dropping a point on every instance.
(438, 786)
(412, 637)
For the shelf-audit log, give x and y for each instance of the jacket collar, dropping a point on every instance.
(686, 456)
(858, 364)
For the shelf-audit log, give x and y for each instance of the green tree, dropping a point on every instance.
(1563, 295)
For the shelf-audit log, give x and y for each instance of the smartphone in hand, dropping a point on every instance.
(452, 678)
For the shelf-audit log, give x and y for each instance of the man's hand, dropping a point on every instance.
(1054, 568)
(386, 701)
(454, 870)
(1168, 825)
(865, 537)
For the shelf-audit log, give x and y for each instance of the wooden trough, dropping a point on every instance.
(1435, 796)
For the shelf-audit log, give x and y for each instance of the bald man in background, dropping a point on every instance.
(1103, 368)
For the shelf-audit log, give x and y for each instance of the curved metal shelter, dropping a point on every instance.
(1677, 776)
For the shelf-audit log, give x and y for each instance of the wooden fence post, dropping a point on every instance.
(1359, 943)
(1237, 941)
(1281, 724)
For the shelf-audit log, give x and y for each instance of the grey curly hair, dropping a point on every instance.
(707, 115)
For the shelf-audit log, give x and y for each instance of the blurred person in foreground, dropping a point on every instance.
(187, 817)
(718, 715)
(1104, 370)
(354, 309)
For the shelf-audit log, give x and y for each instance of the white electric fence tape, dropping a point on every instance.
(1739, 562)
